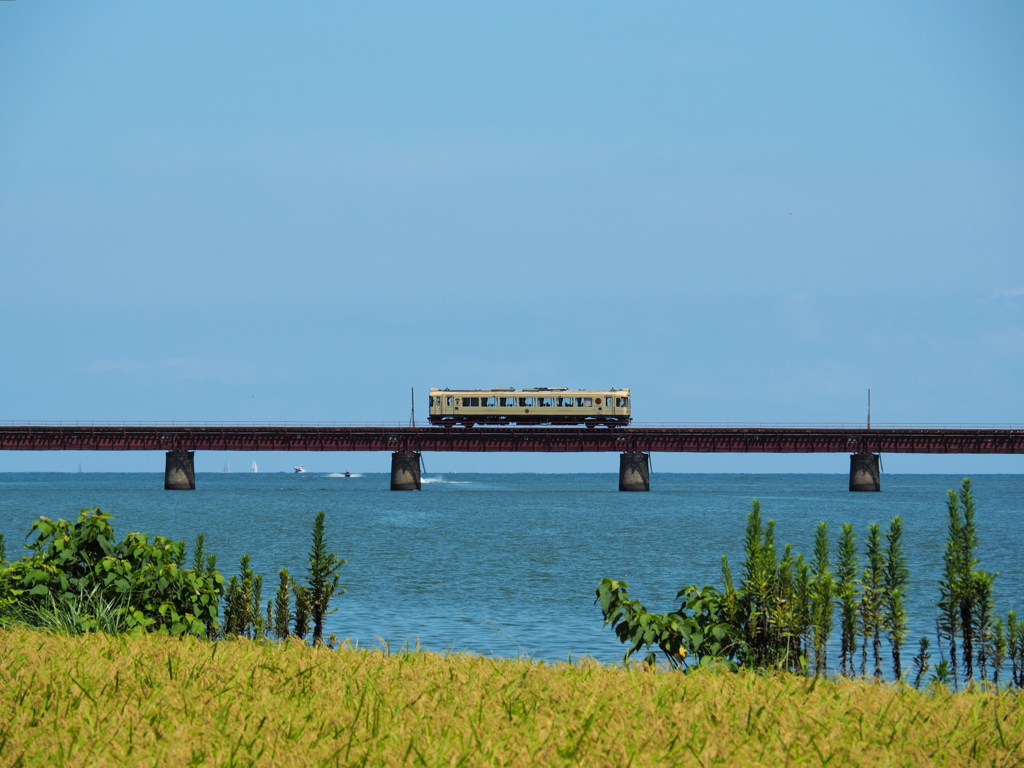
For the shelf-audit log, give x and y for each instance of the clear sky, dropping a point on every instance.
(745, 212)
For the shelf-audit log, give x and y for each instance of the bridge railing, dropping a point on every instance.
(812, 425)
(215, 424)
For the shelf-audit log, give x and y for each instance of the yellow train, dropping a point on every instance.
(540, 405)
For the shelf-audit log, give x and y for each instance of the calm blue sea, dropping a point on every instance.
(507, 564)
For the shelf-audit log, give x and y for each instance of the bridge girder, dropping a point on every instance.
(636, 439)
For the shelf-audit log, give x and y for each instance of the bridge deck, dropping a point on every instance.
(765, 438)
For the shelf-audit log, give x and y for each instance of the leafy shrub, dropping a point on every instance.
(784, 608)
(78, 578)
(698, 633)
(780, 617)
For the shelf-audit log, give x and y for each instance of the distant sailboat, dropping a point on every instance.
(255, 469)
(227, 466)
(79, 467)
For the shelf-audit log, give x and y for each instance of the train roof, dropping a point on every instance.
(532, 390)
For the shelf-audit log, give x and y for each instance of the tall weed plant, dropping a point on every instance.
(782, 614)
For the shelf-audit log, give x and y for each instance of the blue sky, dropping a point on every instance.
(746, 212)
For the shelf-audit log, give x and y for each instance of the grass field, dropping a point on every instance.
(153, 701)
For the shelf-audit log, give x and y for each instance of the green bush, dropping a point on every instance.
(783, 609)
(78, 578)
(696, 634)
(780, 617)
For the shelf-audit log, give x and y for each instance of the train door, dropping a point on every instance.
(445, 404)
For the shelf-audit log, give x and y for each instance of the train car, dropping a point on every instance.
(540, 405)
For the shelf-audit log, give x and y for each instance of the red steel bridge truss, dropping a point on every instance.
(639, 438)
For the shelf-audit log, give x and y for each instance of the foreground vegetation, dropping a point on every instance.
(102, 700)
(77, 578)
(116, 653)
(782, 613)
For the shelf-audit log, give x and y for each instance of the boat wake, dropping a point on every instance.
(426, 480)
(343, 474)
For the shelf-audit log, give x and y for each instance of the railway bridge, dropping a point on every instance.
(407, 442)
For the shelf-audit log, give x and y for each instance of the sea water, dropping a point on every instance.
(507, 564)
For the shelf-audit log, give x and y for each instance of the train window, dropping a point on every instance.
(526, 402)
(449, 401)
(471, 402)
(564, 402)
(622, 402)
(546, 402)
(585, 402)
(489, 402)
(507, 402)
(431, 402)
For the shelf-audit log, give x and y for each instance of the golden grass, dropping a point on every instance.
(106, 701)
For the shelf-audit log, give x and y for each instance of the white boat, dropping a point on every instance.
(299, 469)
(255, 469)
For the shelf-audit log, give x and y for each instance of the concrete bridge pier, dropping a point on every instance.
(180, 471)
(634, 472)
(405, 471)
(864, 472)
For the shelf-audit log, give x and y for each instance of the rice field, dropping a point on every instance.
(101, 700)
